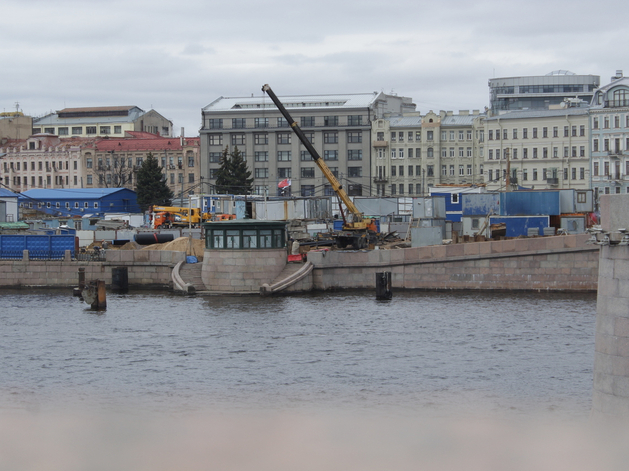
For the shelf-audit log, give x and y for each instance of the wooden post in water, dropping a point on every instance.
(101, 299)
(383, 285)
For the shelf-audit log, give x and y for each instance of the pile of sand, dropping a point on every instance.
(181, 244)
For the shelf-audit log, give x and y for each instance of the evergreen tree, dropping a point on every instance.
(151, 185)
(233, 177)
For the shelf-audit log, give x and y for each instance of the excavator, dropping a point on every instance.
(358, 231)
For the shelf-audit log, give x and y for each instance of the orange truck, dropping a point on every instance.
(175, 216)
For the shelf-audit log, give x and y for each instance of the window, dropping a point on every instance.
(330, 137)
(307, 172)
(461, 134)
(525, 133)
(261, 123)
(282, 123)
(394, 171)
(490, 155)
(354, 120)
(330, 155)
(262, 156)
(581, 151)
(215, 139)
(545, 152)
(354, 136)
(534, 174)
(461, 153)
(451, 170)
(430, 170)
(90, 130)
(430, 152)
(283, 155)
(284, 172)
(574, 173)
(117, 129)
(238, 139)
(451, 154)
(461, 171)
(261, 173)
(307, 190)
(582, 173)
(238, 123)
(534, 133)
(283, 138)
(77, 130)
(89, 179)
(260, 138)
(444, 152)
(410, 137)
(354, 172)
(595, 169)
(105, 129)
(429, 135)
(355, 154)
(490, 135)
(574, 151)
(215, 123)
(401, 170)
(51, 130)
(418, 136)
(63, 131)
(444, 170)
(330, 120)
(515, 133)
(307, 121)
(215, 157)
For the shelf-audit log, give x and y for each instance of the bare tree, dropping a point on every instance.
(113, 171)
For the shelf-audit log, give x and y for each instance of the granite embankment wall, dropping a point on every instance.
(610, 398)
(150, 269)
(543, 263)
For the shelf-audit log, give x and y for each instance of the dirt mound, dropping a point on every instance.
(131, 245)
(181, 244)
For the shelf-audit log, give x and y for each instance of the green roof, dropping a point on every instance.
(13, 225)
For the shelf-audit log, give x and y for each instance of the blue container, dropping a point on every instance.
(529, 203)
(519, 225)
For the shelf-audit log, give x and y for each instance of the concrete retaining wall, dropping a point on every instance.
(146, 269)
(545, 263)
(241, 271)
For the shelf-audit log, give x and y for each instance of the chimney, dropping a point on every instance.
(618, 75)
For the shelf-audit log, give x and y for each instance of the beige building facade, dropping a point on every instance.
(545, 149)
(412, 153)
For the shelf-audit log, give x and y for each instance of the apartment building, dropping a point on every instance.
(540, 92)
(338, 126)
(609, 121)
(114, 163)
(43, 161)
(545, 149)
(102, 121)
(413, 153)
(49, 162)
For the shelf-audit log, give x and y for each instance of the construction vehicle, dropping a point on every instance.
(358, 231)
(174, 216)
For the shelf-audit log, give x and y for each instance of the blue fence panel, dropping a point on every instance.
(40, 247)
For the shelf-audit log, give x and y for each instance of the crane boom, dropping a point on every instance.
(336, 185)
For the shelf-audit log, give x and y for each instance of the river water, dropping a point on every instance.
(422, 353)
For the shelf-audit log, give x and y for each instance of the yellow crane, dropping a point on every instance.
(358, 231)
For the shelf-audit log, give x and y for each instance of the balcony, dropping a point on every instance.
(552, 181)
(381, 143)
(380, 179)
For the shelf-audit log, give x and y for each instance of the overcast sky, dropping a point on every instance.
(178, 56)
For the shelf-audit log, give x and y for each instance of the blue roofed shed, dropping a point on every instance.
(80, 201)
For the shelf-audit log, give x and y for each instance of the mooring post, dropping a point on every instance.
(101, 298)
(81, 278)
(383, 285)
